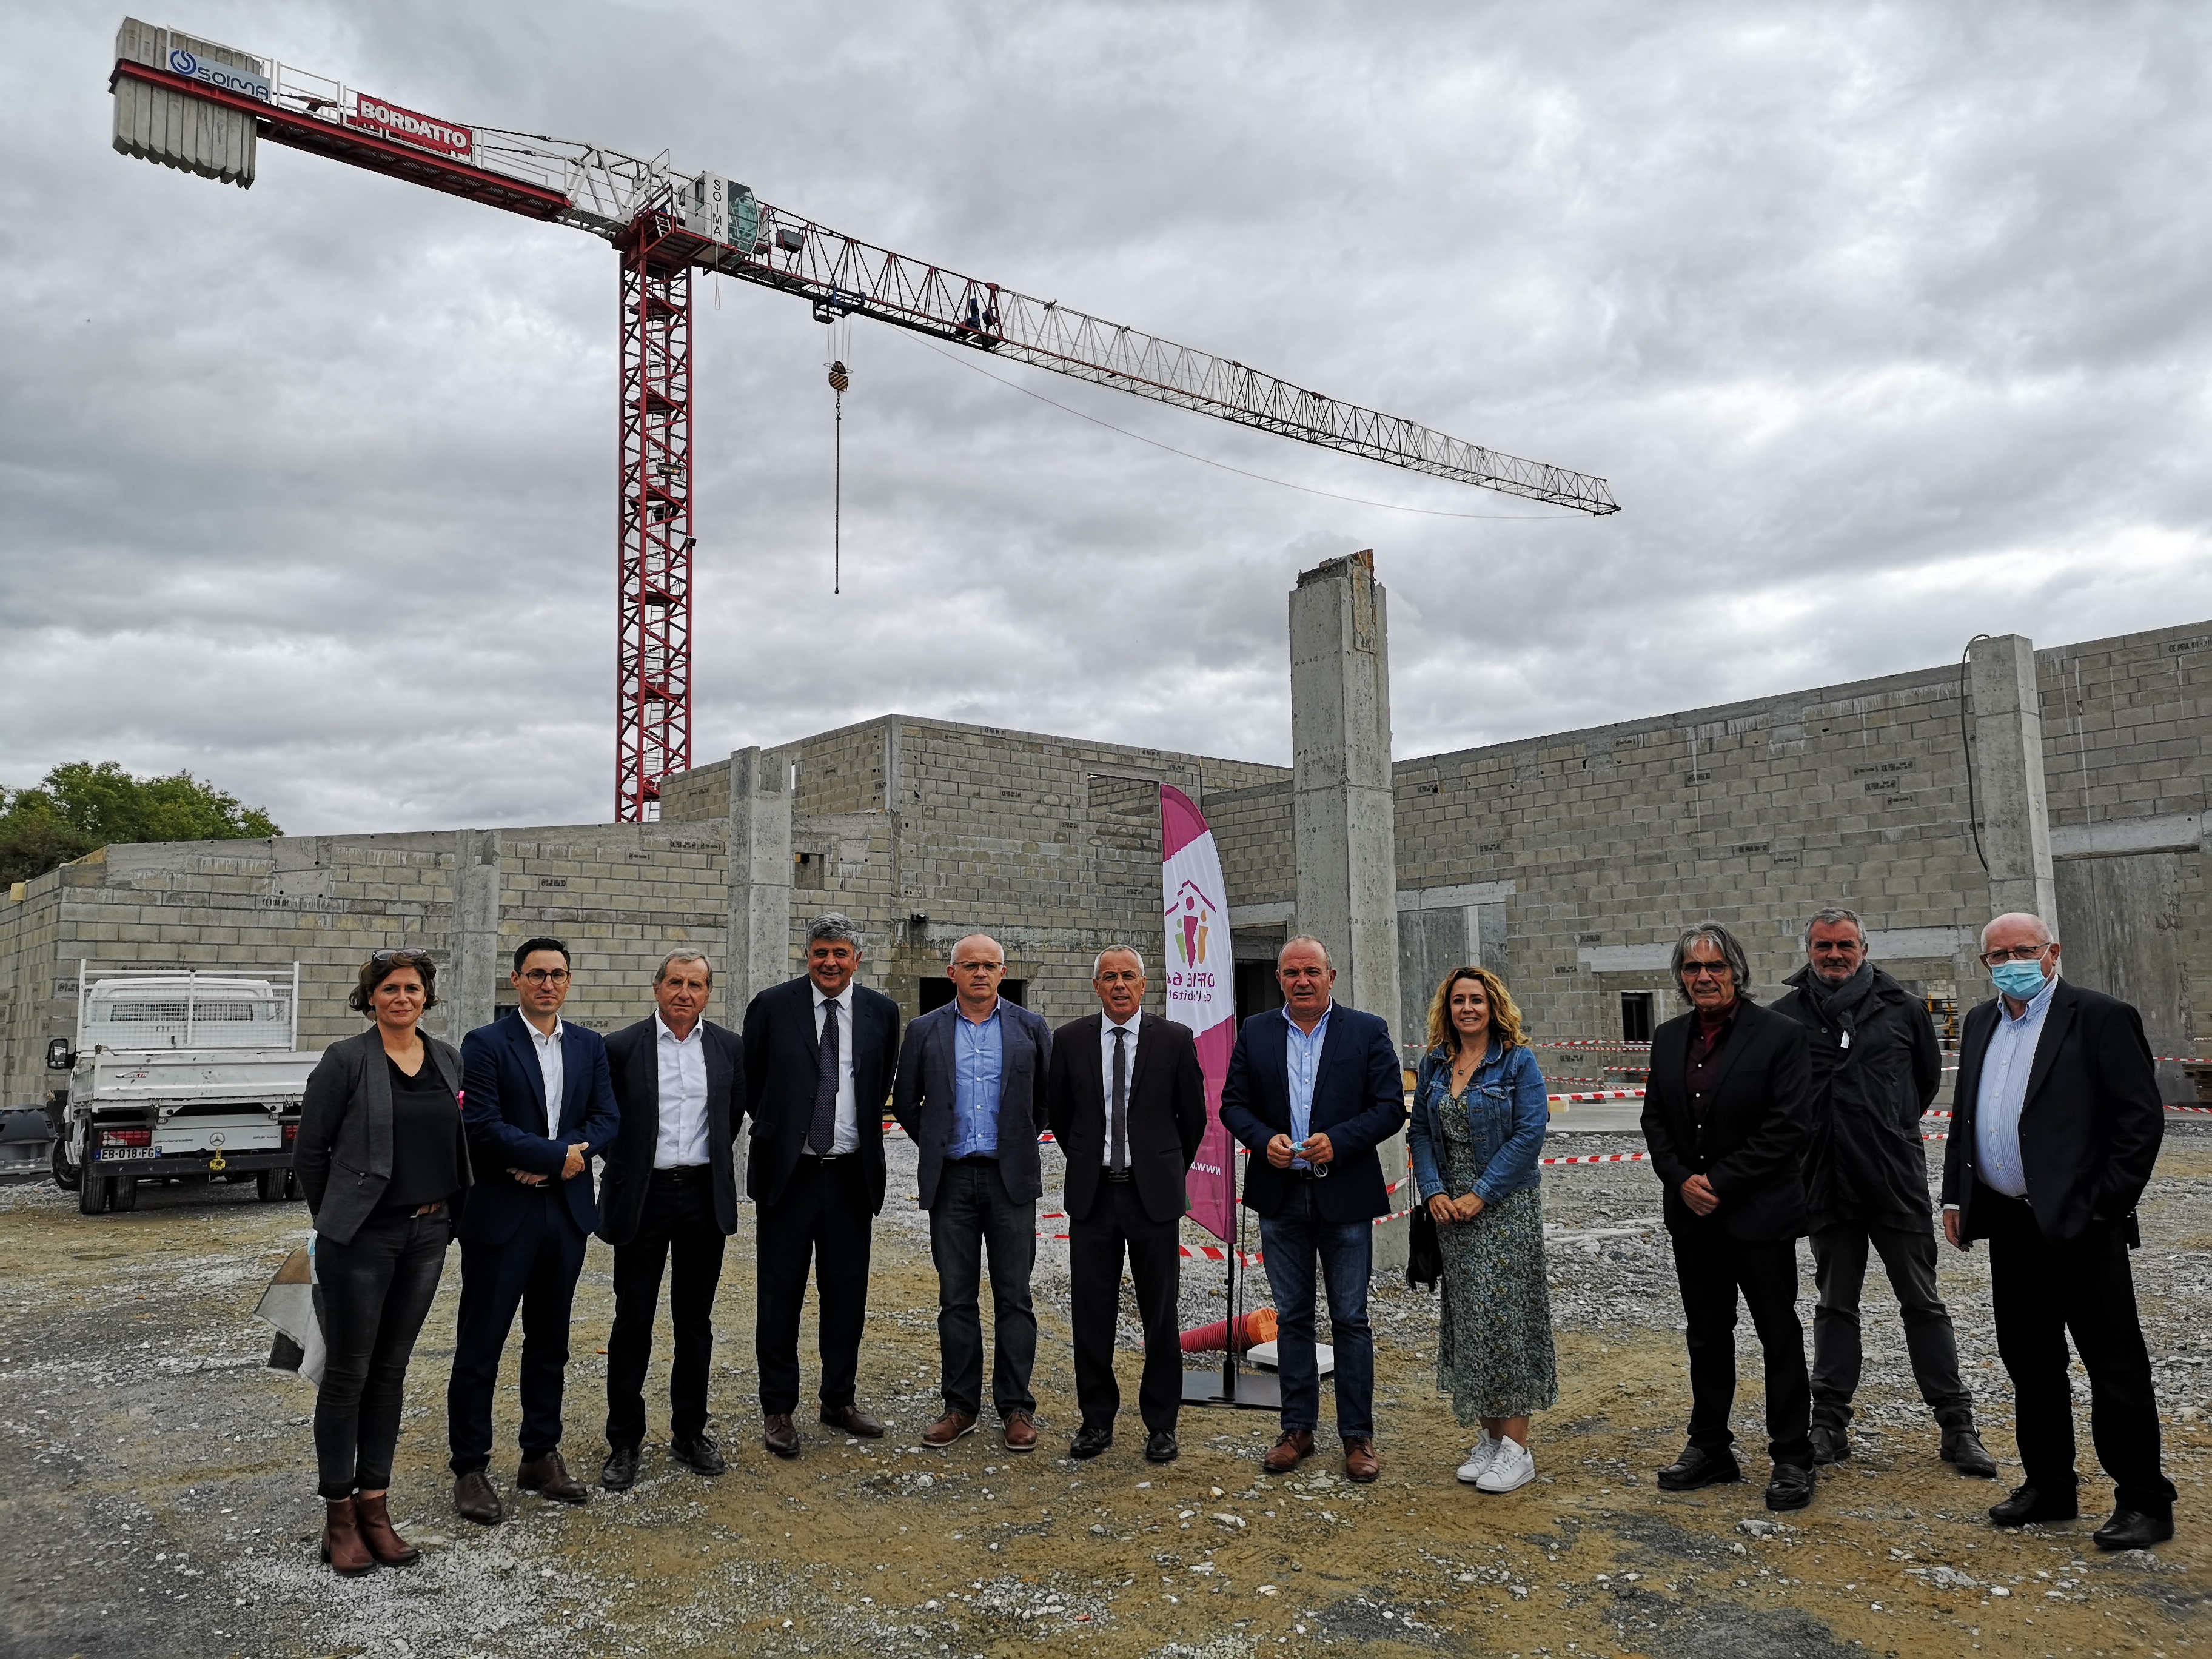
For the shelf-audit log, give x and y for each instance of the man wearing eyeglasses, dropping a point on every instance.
(1726, 1113)
(2055, 1130)
(537, 1104)
(971, 1095)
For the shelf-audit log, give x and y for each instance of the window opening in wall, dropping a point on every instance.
(1257, 989)
(1636, 1016)
(807, 868)
(937, 991)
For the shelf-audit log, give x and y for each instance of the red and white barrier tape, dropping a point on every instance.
(1601, 1094)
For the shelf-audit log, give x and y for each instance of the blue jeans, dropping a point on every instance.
(1292, 1240)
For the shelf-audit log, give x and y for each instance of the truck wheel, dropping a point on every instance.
(127, 1194)
(268, 1185)
(92, 1194)
(67, 1175)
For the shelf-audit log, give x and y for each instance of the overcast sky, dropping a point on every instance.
(1888, 325)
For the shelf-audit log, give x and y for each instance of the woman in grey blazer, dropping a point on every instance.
(383, 1159)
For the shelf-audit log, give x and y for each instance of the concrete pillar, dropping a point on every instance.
(759, 953)
(478, 967)
(1343, 812)
(2007, 761)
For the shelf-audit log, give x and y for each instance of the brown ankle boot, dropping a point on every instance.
(342, 1544)
(389, 1548)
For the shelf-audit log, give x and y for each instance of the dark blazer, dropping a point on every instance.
(2090, 1125)
(1166, 1108)
(782, 1057)
(633, 1060)
(1751, 1149)
(343, 1155)
(503, 1104)
(1359, 1098)
(923, 1098)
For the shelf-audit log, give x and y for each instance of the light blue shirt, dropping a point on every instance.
(978, 1051)
(2003, 1092)
(1303, 1057)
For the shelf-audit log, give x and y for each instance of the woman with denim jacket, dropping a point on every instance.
(1480, 1113)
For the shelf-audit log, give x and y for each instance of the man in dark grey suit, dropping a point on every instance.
(820, 1051)
(670, 1195)
(1127, 1100)
(971, 1093)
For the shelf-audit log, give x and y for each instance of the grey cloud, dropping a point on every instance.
(1886, 324)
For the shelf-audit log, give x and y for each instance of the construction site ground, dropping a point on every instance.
(157, 1481)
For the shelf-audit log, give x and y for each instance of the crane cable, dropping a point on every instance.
(1966, 745)
(839, 379)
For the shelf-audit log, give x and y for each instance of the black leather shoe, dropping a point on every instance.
(1162, 1448)
(2131, 1529)
(2027, 1504)
(548, 1476)
(700, 1456)
(1830, 1443)
(619, 1472)
(1791, 1488)
(475, 1500)
(1090, 1442)
(1697, 1467)
(1964, 1450)
(779, 1434)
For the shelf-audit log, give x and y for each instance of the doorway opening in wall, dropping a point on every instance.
(1257, 989)
(1636, 1016)
(938, 991)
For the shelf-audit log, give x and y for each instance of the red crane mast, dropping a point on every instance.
(203, 108)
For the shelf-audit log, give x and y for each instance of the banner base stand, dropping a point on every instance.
(1252, 1390)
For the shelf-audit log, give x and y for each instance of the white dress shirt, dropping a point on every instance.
(2004, 1091)
(1106, 1029)
(848, 1100)
(549, 1069)
(681, 1142)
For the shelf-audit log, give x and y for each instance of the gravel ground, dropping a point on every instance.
(158, 1495)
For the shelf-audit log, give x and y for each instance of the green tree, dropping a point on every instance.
(80, 807)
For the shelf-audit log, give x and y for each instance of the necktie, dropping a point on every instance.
(822, 1132)
(1120, 1126)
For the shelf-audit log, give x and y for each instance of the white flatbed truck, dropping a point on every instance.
(180, 1072)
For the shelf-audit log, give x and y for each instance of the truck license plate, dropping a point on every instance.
(116, 1154)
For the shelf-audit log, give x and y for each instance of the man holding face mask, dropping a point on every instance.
(2055, 1130)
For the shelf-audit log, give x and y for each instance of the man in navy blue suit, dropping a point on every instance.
(1313, 1089)
(539, 1104)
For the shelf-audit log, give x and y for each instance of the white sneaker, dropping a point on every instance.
(1478, 1460)
(1512, 1466)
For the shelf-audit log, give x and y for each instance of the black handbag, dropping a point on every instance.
(1424, 1257)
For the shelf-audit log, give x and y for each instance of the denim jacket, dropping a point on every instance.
(1507, 1112)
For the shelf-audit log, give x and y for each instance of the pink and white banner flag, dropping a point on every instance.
(1201, 991)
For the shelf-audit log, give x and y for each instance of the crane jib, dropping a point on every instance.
(202, 107)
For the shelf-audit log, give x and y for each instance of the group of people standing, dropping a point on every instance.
(1763, 1124)
(1802, 1119)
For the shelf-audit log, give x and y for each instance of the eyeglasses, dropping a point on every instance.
(404, 958)
(1694, 969)
(545, 976)
(2018, 953)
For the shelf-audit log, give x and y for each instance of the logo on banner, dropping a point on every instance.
(409, 127)
(1194, 914)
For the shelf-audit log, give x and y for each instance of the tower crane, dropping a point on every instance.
(196, 105)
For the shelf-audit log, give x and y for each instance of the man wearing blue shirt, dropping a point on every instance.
(971, 1094)
(2056, 1131)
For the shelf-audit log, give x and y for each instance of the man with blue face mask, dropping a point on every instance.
(2056, 1127)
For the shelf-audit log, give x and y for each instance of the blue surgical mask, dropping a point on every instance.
(2020, 981)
